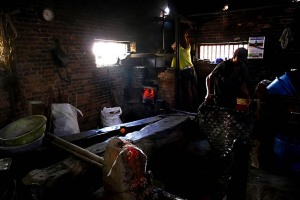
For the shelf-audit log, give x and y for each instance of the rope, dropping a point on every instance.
(284, 38)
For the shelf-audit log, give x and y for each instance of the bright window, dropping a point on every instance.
(210, 52)
(110, 53)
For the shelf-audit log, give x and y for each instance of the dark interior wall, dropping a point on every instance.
(240, 24)
(76, 24)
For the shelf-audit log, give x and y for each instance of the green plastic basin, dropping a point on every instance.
(23, 131)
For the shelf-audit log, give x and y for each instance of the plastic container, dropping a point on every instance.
(287, 152)
(242, 105)
(295, 79)
(282, 86)
(19, 149)
(23, 131)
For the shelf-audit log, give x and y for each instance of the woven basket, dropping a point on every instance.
(223, 127)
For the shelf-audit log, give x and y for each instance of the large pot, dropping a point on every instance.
(23, 131)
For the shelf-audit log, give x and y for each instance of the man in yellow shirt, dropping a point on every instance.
(187, 75)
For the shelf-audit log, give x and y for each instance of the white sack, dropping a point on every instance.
(111, 116)
(65, 119)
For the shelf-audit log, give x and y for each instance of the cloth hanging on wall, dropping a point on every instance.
(61, 59)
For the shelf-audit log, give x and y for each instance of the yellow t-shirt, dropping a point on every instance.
(184, 58)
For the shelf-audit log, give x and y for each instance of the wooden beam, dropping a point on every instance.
(75, 150)
(151, 137)
(97, 132)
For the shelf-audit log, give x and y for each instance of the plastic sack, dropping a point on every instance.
(65, 119)
(111, 116)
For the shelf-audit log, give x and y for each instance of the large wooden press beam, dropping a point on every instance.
(151, 137)
(102, 131)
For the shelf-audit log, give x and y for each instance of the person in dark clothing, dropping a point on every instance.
(229, 80)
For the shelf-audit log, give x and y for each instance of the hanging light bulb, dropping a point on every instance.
(226, 7)
(167, 11)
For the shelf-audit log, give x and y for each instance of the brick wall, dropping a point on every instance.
(76, 24)
(260, 21)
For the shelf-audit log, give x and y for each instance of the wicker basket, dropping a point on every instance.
(223, 126)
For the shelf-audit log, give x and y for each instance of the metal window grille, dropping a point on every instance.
(210, 52)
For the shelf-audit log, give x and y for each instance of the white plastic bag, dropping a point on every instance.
(65, 119)
(111, 116)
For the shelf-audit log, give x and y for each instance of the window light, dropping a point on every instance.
(109, 53)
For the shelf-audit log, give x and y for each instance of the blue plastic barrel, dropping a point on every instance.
(282, 86)
(287, 152)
